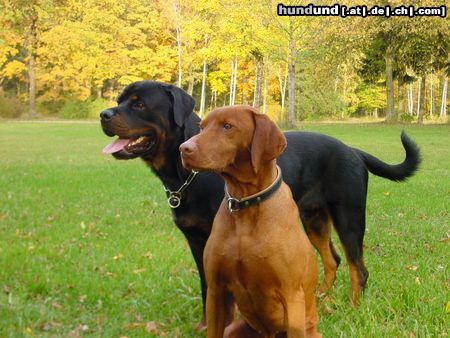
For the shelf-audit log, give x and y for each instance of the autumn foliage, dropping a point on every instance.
(55, 54)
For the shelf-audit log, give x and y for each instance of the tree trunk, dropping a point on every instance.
(258, 81)
(264, 110)
(443, 113)
(231, 83)
(191, 83)
(410, 100)
(418, 98)
(235, 79)
(282, 81)
(336, 84)
(291, 67)
(203, 94)
(112, 92)
(176, 9)
(422, 102)
(400, 102)
(344, 89)
(32, 67)
(390, 112)
(431, 93)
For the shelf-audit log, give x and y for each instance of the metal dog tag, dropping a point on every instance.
(174, 201)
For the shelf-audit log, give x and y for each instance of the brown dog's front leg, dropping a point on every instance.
(296, 316)
(217, 311)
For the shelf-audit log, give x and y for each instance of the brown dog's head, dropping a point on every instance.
(231, 136)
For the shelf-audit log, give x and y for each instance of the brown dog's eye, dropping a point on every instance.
(227, 126)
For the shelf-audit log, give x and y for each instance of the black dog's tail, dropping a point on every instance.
(398, 172)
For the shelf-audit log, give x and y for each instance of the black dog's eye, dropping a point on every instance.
(138, 105)
(227, 126)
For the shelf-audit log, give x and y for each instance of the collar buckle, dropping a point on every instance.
(235, 204)
(232, 204)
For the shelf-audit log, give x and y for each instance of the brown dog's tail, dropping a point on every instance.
(398, 172)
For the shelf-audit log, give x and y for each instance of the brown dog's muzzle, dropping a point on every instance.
(189, 152)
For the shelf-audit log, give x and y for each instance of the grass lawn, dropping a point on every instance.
(88, 247)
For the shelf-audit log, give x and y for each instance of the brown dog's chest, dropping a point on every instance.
(259, 263)
(258, 285)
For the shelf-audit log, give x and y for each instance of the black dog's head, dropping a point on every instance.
(148, 115)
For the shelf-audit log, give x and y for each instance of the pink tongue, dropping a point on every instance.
(115, 146)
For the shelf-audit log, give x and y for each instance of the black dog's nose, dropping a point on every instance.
(106, 115)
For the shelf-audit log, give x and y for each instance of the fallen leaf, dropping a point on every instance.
(83, 225)
(56, 306)
(6, 289)
(131, 326)
(150, 327)
(138, 271)
(148, 255)
(447, 307)
(82, 298)
(417, 280)
(47, 326)
(387, 193)
(117, 257)
(411, 267)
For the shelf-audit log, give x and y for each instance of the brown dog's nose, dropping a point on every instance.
(188, 147)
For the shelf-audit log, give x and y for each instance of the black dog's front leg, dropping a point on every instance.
(197, 242)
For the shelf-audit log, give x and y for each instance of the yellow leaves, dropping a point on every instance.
(14, 69)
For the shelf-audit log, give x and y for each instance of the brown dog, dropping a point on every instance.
(257, 250)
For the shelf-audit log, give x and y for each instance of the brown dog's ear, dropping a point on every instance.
(268, 141)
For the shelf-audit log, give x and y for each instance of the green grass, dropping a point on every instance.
(88, 246)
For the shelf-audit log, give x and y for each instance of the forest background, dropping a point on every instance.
(71, 58)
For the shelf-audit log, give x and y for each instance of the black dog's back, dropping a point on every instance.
(312, 160)
(313, 163)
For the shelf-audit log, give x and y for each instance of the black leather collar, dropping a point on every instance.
(235, 204)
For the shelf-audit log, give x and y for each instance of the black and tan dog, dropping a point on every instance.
(328, 179)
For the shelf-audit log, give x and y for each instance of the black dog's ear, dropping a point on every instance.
(183, 104)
